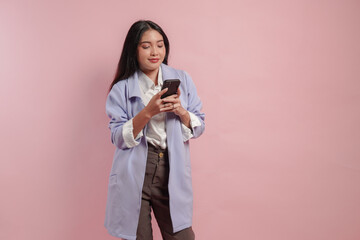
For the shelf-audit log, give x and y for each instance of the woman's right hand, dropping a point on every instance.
(156, 104)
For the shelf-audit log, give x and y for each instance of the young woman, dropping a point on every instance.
(151, 165)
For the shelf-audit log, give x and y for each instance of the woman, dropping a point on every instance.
(151, 165)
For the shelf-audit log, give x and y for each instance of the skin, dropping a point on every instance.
(151, 46)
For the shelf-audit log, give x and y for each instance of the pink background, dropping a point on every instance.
(280, 157)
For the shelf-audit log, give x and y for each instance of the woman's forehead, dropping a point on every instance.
(151, 35)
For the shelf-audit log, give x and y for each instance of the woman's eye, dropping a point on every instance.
(160, 46)
(145, 47)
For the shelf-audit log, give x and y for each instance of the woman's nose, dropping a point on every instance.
(153, 52)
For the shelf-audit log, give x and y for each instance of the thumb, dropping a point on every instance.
(162, 92)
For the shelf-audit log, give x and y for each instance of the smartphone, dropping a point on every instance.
(172, 86)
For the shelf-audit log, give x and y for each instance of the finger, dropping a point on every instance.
(174, 96)
(178, 92)
(162, 92)
(166, 109)
(167, 105)
(170, 99)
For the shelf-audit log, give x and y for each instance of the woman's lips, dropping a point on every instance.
(154, 60)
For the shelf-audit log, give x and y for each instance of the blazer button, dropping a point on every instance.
(161, 155)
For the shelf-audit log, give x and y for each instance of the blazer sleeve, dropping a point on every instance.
(194, 105)
(116, 111)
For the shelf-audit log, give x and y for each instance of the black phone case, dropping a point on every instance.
(172, 85)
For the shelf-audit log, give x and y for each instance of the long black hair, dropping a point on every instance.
(128, 63)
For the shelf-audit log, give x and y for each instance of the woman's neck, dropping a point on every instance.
(153, 75)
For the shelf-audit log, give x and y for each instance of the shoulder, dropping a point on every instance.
(118, 92)
(120, 85)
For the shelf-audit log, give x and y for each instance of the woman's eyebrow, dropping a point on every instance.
(150, 42)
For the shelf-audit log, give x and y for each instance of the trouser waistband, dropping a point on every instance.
(157, 155)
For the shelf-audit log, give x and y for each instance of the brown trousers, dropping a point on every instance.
(155, 196)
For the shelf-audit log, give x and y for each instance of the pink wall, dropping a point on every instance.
(280, 159)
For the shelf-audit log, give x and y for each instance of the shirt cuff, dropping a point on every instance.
(128, 135)
(194, 122)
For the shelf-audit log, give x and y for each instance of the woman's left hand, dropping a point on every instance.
(173, 104)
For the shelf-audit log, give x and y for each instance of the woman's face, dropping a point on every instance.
(150, 51)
